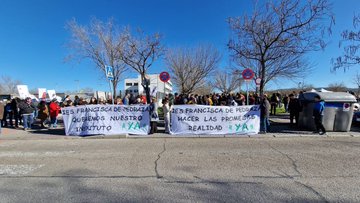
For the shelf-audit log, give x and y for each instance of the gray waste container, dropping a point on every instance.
(339, 109)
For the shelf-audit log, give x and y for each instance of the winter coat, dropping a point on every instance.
(2, 109)
(318, 109)
(294, 105)
(54, 109)
(43, 112)
(26, 108)
(265, 108)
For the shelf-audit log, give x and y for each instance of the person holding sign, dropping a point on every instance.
(166, 110)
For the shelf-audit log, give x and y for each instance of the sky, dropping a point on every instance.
(33, 37)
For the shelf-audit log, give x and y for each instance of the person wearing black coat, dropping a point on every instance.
(2, 109)
(15, 110)
(264, 114)
(27, 112)
(294, 109)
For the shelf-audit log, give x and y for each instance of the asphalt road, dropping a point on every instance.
(297, 169)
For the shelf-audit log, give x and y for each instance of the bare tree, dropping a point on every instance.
(351, 44)
(204, 88)
(356, 81)
(9, 85)
(274, 39)
(226, 82)
(140, 51)
(337, 87)
(191, 66)
(101, 43)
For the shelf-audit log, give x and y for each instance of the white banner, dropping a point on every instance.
(23, 91)
(106, 120)
(101, 94)
(215, 120)
(52, 94)
(42, 93)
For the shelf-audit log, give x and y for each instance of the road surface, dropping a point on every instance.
(292, 169)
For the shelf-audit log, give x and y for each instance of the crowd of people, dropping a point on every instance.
(26, 112)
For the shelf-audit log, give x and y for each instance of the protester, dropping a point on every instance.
(67, 103)
(119, 101)
(2, 109)
(54, 112)
(132, 99)
(279, 99)
(286, 101)
(274, 102)
(76, 100)
(67, 98)
(294, 109)
(27, 112)
(252, 100)
(82, 101)
(43, 113)
(101, 100)
(166, 110)
(143, 99)
(35, 103)
(154, 117)
(15, 110)
(264, 114)
(7, 112)
(318, 115)
(126, 100)
(93, 100)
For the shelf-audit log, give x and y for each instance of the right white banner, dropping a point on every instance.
(215, 120)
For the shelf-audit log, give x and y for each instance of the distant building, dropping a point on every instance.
(157, 87)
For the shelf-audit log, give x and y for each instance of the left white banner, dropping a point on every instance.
(106, 120)
(23, 91)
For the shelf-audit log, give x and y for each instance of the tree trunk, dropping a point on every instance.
(146, 87)
(114, 83)
(262, 73)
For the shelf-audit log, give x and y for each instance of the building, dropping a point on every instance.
(157, 87)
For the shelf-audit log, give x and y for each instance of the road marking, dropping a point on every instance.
(34, 154)
(18, 169)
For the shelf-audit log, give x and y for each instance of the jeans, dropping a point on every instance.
(53, 122)
(167, 124)
(265, 124)
(36, 113)
(28, 120)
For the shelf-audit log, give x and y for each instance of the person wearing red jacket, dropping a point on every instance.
(54, 112)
